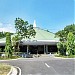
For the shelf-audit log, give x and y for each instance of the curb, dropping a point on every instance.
(10, 71)
(19, 70)
(63, 58)
(14, 71)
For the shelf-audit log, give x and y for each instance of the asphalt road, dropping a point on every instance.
(44, 66)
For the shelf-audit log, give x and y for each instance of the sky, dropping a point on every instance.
(52, 15)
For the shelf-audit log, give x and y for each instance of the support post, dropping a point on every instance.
(44, 50)
(27, 48)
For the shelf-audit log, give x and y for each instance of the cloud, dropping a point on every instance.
(7, 28)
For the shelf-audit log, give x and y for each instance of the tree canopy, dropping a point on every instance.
(67, 38)
(63, 33)
(24, 29)
(3, 34)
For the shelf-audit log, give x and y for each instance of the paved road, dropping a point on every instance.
(44, 66)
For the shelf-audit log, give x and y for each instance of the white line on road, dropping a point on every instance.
(47, 65)
(52, 68)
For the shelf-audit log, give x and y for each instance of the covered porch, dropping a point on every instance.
(38, 47)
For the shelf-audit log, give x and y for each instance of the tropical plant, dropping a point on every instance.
(15, 42)
(8, 46)
(70, 44)
(61, 48)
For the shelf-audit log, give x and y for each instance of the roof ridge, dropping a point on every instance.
(44, 30)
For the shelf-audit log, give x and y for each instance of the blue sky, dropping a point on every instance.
(53, 15)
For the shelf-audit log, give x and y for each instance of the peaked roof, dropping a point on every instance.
(41, 34)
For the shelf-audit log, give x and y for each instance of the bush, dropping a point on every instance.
(61, 48)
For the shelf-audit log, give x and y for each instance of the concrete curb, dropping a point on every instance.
(63, 58)
(10, 71)
(14, 71)
(19, 70)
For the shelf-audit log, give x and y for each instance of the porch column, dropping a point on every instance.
(27, 48)
(46, 48)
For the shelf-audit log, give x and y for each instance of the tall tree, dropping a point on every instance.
(8, 47)
(64, 36)
(24, 29)
(70, 43)
(63, 33)
(70, 28)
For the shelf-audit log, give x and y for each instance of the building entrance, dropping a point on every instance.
(35, 49)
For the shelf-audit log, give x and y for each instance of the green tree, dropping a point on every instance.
(24, 29)
(61, 48)
(63, 33)
(15, 42)
(3, 34)
(70, 43)
(8, 46)
(70, 28)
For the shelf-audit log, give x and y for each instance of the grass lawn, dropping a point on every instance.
(13, 57)
(4, 69)
(71, 56)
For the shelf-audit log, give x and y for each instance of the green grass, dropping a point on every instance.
(5, 58)
(4, 69)
(71, 56)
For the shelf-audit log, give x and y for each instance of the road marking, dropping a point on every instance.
(47, 65)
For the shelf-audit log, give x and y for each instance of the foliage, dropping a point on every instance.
(24, 29)
(61, 48)
(70, 43)
(70, 28)
(66, 39)
(0, 49)
(8, 47)
(15, 42)
(3, 34)
(63, 33)
(70, 56)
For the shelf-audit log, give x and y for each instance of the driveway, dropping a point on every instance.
(44, 66)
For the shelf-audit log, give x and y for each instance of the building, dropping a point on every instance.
(44, 42)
